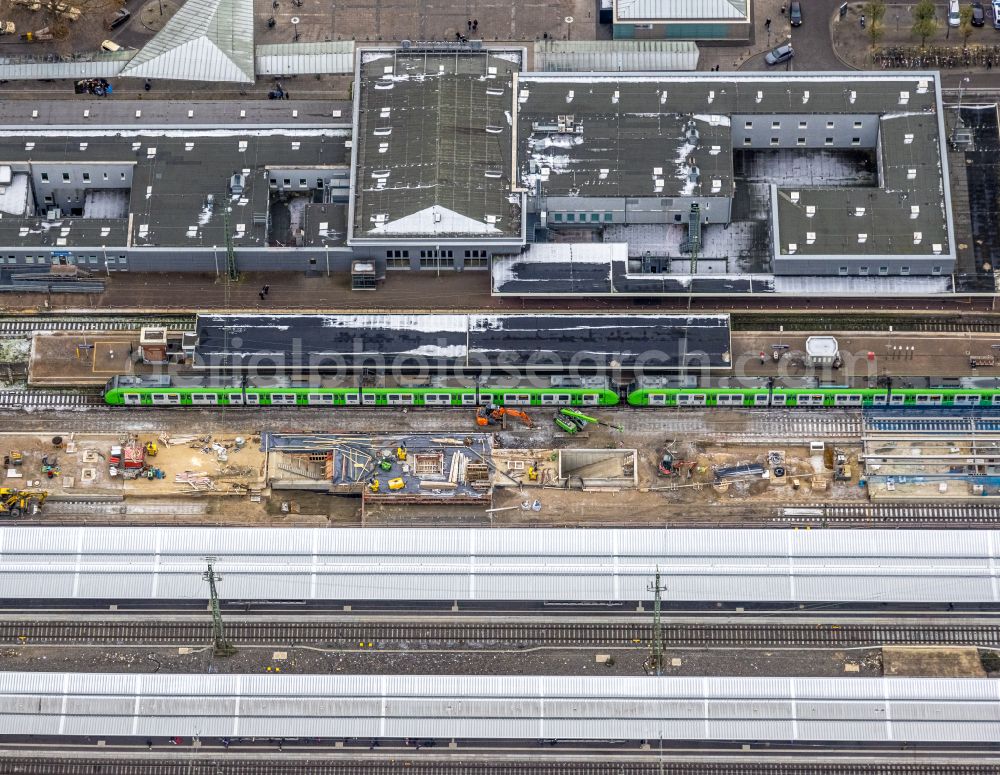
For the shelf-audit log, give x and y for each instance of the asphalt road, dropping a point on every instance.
(812, 41)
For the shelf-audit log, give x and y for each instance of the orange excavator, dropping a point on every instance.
(491, 415)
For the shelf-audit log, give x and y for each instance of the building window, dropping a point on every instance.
(557, 217)
(86, 177)
(803, 125)
(829, 141)
(397, 254)
(302, 182)
(863, 271)
(319, 182)
(581, 217)
(855, 141)
(45, 177)
(800, 141)
(858, 124)
(842, 271)
(904, 270)
(105, 176)
(595, 217)
(477, 263)
(288, 182)
(748, 125)
(571, 217)
(775, 125)
(48, 199)
(883, 271)
(29, 259)
(774, 141)
(935, 270)
(65, 177)
(608, 217)
(123, 176)
(475, 254)
(747, 141)
(829, 125)
(397, 263)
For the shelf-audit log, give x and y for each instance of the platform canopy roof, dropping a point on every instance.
(206, 40)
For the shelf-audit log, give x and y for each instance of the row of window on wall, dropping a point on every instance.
(582, 217)
(801, 141)
(804, 125)
(434, 254)
(883, 270)
(68, 259)
(85, 176)
(287, 183)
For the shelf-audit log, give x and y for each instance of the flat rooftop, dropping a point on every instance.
(179, 182)
(907, 214)
(432, 145)
(532, 341)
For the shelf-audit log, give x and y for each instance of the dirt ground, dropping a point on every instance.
(626, 662)
(59, 358)
(936, 662)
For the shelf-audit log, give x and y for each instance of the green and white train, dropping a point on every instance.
(165, 391)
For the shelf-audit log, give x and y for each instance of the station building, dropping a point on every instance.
(558, 183)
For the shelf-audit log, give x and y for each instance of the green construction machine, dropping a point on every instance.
(572, 421)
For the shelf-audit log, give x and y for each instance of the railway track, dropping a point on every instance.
(407, 761)
(17, 325)
(912, 515)
(489, 635)
(48, 399)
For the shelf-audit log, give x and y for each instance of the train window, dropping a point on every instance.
(656, 399)
(437, 399)
(967, 398)
(560, 398)
(878, 400)
(253, 399)
(204, 398)
(686, 399)
(319, 398)
(996, 400)
(132, 398)
(730, 399)
(843, 399)
(235, 399)
(279, 399)
(369, 399)
(397, 399)
(778, 399)
(810, 399)
(929, 398)
(352, 399)
(468, 399)
(166, 398)
(897, 399)
(760, 399)
(550, 399)
(485, 399)
(517, 399)
(590, 398)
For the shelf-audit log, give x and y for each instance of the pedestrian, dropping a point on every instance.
(767, 24)
(475, 24)
(862, 21)
(468, 24)
(989, 64)
(266, 289)
(261, 294)
(762, 359)
(782, 9)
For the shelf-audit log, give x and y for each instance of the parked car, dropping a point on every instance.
(117, 19)
(954, 14)
(795, 13)
(780, 54)
(996, 14)
(978, 14)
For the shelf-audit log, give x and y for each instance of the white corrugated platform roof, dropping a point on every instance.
(621, 56)
(305, 58)
(681, 10)
(522, 565)
(206, 40)
(868, 710)
(104, 65)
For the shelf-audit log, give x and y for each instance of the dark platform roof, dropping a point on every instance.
(540, 341)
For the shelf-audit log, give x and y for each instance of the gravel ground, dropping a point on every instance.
(693, 662)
